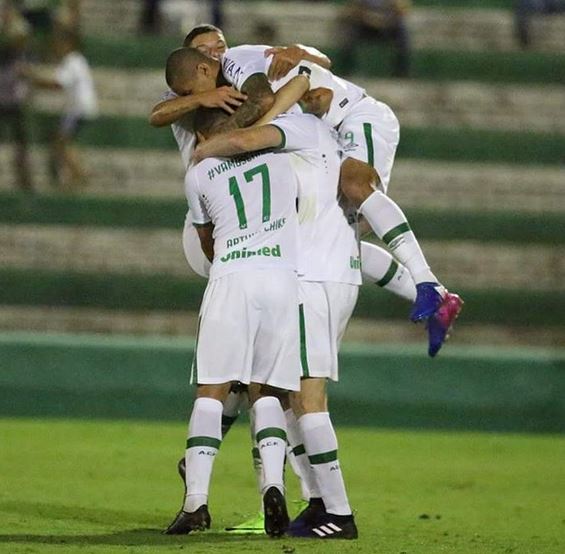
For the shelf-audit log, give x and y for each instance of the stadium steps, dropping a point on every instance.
(142, 251)
(416, 184)
(393, 385)
(461, 105)
(427, 64)
(449, 144)
(460, 26)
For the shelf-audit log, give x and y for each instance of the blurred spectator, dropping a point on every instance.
(218, 13)
(150, 17)
(525, 9)
(13, 89)
(68, 15)
(382, 21)
(74, 78)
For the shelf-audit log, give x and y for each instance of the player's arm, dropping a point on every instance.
(285, 97)
(39, 79)
(206, 236)
(168, 111)
(260, 99)
(287, 58)
(239, 141)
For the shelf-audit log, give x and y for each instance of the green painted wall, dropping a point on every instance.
(390, 386)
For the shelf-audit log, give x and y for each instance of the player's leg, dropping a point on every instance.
(324, 313)
(202, 445)
(275, 368)
(380, 268)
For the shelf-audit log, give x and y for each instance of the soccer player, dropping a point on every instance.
(329, 277)
(369, 134)
(245, 214)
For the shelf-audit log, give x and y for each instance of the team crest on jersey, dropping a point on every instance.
(350, 144)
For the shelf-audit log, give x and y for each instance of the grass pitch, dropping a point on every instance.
(96, 486)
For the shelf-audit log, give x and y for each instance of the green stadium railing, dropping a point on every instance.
(146, 213)
(459, 144)
(436, 65)
(386, 386)
(140, 292)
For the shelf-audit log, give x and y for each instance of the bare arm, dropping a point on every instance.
(239, 141)
(287, 58)
(260, 99)
(206, 236)
(285, 97)
(169, 111)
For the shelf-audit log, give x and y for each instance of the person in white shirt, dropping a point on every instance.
(244, 210)
(74, 79)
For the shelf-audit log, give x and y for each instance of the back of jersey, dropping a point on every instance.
(251, 201)
(329, 249)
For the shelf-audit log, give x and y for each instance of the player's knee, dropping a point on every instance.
(358, 180)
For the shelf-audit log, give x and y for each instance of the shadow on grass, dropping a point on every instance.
(134, 537)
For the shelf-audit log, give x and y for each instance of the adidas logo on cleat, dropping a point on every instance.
(325, 530)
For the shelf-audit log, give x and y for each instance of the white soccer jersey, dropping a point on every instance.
(183, 132)
(329, 249)
(241, 62)
(251, 202)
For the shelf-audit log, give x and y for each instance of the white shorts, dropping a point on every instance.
(196, 259)
(325, 310)
(248, 330)
(370, 133)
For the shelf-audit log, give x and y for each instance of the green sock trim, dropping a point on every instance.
(303, 349)
(323, 458)
(395, 231)
(299, 450)
(369, 140)
(211, 442)
(274, 432)
(255, 453)
(391, 271)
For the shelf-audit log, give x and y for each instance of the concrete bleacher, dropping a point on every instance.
(479, 171)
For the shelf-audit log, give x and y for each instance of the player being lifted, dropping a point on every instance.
(245, 213)
(369, 134)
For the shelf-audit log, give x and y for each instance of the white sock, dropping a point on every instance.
(256, 457)
(379, 267)
(321, 446)
(296, 454)
(204, 439)
(391, 226)
(270, 434)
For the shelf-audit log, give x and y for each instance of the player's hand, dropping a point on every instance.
(225, 97)
(284, 59)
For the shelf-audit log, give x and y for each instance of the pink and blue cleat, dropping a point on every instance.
(439, 325)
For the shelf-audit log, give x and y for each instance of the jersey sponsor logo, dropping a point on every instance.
(354, 262)
(344, 102)
(303, 69)
(265, 251)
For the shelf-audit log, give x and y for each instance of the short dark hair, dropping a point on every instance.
(208, 120)
(200, 30)
(182, 60)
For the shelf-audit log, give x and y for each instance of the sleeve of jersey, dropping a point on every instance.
(303, 68)
(196, 205)
(298, 132)
(238, 66)
(64, 74)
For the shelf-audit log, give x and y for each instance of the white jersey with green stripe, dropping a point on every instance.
(251, 201)
(329, 249)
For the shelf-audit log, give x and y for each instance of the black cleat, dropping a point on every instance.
(276, 515)
(328, 526)
(309, 515)
(186, 522)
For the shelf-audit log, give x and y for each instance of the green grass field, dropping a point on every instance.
(98, 486)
